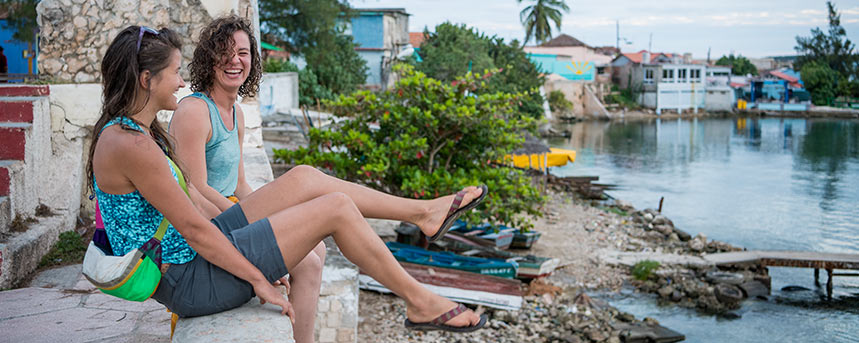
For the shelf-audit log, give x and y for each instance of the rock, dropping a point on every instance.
(648, 217)
(654, 236)
(663, 229)
(625, 317)
(729, 278)
(728, 294)
(676, 296)
(684, 236)
(661, 220)
(673, 237)
(596, 335)
(665, 292)
(568, 338)
(698, 243)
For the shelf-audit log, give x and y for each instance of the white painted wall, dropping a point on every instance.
(278, 91)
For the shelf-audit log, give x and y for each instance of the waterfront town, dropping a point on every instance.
(631, 194)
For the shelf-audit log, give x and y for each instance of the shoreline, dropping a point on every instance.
(597, 245)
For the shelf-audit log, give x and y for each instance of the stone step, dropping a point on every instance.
(20, 252)
(13, 139)
(16, 111)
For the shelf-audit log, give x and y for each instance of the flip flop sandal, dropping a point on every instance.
(455, 211)
(439, 323)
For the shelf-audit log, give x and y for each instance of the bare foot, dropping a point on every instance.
(438, 306)
(439, 208)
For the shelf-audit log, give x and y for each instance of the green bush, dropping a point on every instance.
(423, 138)
(558, 103)
(642, 270)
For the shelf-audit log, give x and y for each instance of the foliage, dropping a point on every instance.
(641, 271)
(337, 67)
(423, 138)
(453, 50)
(309, 89)
(820, 80)
(558, 102)
(625, 97)
(21, 19)
(70, 248)
(832, 48)
(739, 64)
(299, 24)
(535, 18)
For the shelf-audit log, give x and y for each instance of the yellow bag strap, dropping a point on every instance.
(162, 228)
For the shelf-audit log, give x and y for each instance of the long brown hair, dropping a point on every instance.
(216, 43)
(120, 72)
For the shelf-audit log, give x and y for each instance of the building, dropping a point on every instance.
(662, 80)
(20, 57)
(571, 58)
(381, 34)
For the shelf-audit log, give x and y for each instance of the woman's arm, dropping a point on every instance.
(192, 128)
(243, 189)
(206, 207)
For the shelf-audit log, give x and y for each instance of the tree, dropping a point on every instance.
(298, 24)
(21, 18)
(820, 80)
(832, 48)
(535, 18)
(337, 67)
(423, 138)
(453, 50)
(739, 64)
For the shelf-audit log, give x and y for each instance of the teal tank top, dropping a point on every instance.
(130, 220)
(222, 151)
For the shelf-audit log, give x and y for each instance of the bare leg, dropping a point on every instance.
(299, 228)
(305, 280)
(304, 183)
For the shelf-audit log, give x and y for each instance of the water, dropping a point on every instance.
(771, 184)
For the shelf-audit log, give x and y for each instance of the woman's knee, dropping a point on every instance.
(320, 251)
(340, 207)
(309, 268)
(301, 172)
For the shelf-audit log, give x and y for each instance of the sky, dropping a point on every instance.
(752, 28)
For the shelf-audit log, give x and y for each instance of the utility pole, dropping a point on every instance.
(708, 55)
(650, 44)
(617, 34)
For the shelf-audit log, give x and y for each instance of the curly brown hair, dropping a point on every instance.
(216, 42)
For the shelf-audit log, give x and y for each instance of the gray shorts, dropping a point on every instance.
(199, 288)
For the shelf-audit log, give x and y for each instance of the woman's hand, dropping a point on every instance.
(268, 293)
(283, 282)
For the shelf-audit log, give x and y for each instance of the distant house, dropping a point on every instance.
(21, 57)
(381, 34)
(662, 80)
(570, 58)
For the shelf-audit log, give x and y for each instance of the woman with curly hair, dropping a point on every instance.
(209, 129)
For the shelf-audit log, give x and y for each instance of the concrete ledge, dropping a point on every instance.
(21, 253)
(250, 322)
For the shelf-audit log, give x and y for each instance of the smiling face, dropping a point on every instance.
(166, 83)
(235, 65)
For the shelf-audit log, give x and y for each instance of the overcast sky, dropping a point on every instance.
(749, 27)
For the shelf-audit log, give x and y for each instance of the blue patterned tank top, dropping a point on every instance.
(130, 220)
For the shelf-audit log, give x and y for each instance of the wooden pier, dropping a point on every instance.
(797, 259)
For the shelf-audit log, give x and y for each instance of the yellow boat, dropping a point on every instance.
(556, 158)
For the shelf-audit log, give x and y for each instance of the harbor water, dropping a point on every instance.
(758, 183)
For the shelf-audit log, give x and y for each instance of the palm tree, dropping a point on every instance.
(535, 18)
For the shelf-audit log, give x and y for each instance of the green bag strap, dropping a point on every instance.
(162, 229)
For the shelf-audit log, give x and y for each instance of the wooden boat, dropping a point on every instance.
(530, 266)
(459, 286)
(524, 240)
(443, 259)
(500, 237)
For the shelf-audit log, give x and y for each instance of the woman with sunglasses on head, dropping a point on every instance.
(213, 266)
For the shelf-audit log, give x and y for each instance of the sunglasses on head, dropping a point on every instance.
(144, 29)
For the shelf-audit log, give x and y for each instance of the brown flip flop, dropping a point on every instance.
(455, 211)
(439, 322)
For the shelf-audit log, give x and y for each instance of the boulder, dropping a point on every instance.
(250, 322)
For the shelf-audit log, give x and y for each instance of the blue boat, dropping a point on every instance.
(485, 266)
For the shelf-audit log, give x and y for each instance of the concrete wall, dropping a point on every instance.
(367, 31)
(719, 99)
(374, 59)
(278, 91)
(575, 53)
